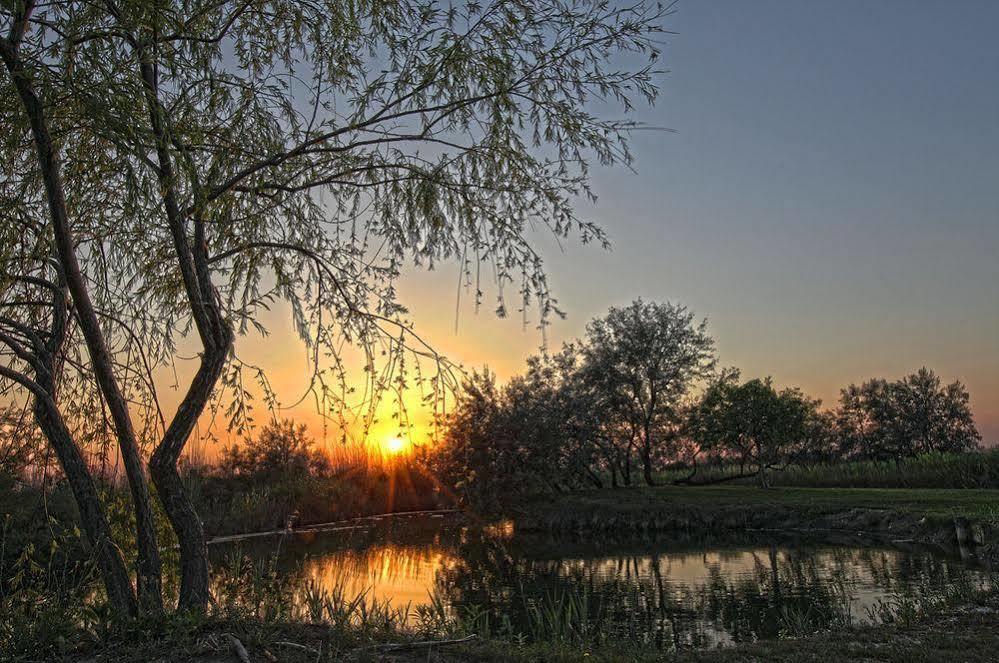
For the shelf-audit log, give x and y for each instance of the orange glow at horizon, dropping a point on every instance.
(503, 344)
(394, 445)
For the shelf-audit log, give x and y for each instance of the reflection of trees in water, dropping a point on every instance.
(678, 598)
(735, 595)
(783, 591)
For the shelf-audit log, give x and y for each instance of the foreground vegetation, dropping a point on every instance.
(51, 601)
(52, 606)
(967, 632)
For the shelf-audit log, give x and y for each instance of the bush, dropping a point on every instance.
(282, 450)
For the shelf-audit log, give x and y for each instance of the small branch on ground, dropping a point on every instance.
(402, 646)
(295, 645)
(237, 647)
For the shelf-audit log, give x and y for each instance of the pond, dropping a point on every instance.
(671, 591)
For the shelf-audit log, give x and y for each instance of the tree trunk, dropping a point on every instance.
(95, 524)
(216, 337)
(627, 466)
(148, 567)
(194, 569)
(647, 452)
(176, 502)
(50, 421)
(594, 477)
(647, 465)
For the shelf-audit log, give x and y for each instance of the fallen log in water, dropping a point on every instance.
(335, 526)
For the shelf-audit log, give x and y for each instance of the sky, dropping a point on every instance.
(828, 198)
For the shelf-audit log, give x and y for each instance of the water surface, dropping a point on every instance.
(671, 591)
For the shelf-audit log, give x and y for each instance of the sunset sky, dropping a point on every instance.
(829, 201)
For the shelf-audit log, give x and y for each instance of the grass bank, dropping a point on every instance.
(921, 515)
(967, 631)
(236, 505)
(331, 626)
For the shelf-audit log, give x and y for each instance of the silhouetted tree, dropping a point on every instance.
(280, 449)
(916, 414)
(643, 360)
(752, 423)
(530, 436)
(474, 456)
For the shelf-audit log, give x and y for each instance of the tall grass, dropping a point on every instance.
(931, 470)
(361, 482)
(907, 608)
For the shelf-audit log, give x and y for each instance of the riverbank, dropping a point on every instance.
(961, 625)
(933, 516)
(967, 632)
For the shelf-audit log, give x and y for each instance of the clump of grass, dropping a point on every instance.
(247, 589)
(47, 597)
(332, 606)
(923, 601)
(562, 617)
(931, 470)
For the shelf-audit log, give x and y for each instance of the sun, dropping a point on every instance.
(395, 445)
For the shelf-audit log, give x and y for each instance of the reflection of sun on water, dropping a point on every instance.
(401, 575)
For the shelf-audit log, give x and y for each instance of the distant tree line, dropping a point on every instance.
(642, 392)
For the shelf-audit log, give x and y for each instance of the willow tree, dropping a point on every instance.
(170, 168)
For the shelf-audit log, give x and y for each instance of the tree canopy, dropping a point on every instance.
(642, 386)
(880, 419)
(645, 359)
(752, 422)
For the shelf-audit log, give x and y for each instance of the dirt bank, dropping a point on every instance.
(637, 512)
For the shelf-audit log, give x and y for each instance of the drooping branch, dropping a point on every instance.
(47, 414)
